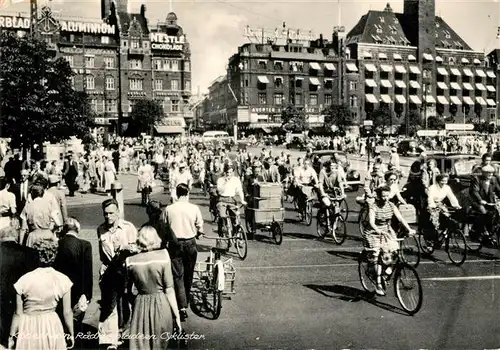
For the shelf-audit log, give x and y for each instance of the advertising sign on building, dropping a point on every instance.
(279, 36)
(459, 127)
(162, 41)
(85, 27)
(14, 22)
(172, 121)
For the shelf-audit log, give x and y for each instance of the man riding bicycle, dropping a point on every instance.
(331, 178)
(304, 176)
(374, 180)
(228, 187)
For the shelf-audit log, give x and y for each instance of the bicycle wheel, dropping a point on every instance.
(366, 273)
(426, 247)
(408, 288)
(216, 294)
(241, 243)
(456, 246)
(339, 229)
(344, 209)
(362, 218)
(321, 224)
(277, 232)
(410, 251)
(309, 213)
(473, 244)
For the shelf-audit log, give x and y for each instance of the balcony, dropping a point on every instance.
(136, 52)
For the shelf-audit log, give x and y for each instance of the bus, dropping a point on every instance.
(216, 136)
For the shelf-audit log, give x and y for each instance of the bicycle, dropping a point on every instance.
(474, 239)
(401, 272)
(233, 230)
(330, 220)
(453, 234)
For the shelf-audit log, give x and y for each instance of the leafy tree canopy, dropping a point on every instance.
(338, 115)
(294, 119)
(145, 114)
(381, 118)
(412, 125)
(435, 123)
(38, 101)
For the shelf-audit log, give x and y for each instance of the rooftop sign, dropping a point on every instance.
(14, 22)
(86, 27)
(278, 36)
(162, 41)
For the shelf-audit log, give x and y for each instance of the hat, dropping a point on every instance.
(488, 169)
(25, 172)
(53, 179)
(257, 164)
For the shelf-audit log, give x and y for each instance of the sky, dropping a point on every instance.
(215, 28)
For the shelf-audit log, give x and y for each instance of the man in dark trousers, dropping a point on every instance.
(70, 173)
(74, 259)
(15, 261)
(21, 190)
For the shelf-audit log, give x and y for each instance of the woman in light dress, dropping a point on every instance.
(145, 177)
(109, 174)
(36, 325)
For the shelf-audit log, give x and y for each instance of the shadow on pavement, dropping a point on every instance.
(300, 235)
(352, 295)
(345, 255)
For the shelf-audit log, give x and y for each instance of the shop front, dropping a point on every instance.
(172, 126)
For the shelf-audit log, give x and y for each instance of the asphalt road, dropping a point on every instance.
(306, 294)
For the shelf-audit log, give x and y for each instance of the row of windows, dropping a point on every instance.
(111, 106)
(292, 66)
(135, 84)
(298, 99)
(170, 65)
(109, 63)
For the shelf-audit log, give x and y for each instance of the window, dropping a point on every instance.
(187, 66)
(72, 81)
(278, 82)
(109, 62)
(110, 83)
(174, 85)
(105, 39)
(89, 80)
(135, 84)
(175, 105)
(262, 98)
(131, 104)
(313, 99)
(451, 60)
(158, 84)
(278, 65)
(353, 101)
(278, 99)
(111, 106)
(135, 44)
(175, 65)
(93, 105)
(69, 59)
(353, 85)
(246, 82)
(298, 83)
(328, 99)
(262, 64)
(187, 85)
(89, 61)
(298, 99)
(135, 64)
(157, 64)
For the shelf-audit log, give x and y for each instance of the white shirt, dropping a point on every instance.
(184, 219)
(182, 178)
(305, 176)
(437, 194)
(230, 187)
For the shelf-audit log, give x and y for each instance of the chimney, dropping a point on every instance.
(321, 41)
(143, 11)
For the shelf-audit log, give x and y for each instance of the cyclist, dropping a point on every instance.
(228, 187)
(395, 197)
(378, 235)
(331, 177)
(373, 180)
(482, 192)
(304, 176)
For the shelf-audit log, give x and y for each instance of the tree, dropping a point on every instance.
(338, 115)
(38, 101)
(381, 118)
(144, 116)
(412, 124)
(435, 123)
(294, 119)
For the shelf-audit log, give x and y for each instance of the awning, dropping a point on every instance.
(455, 86)
(400, 84)
(400, 69)
(397, 56)
(169, 129)
(468, 86)
(314, 65)
(480, 87)
(414, 99)
(442, 85)
(468, 100)
(314, 81)
(382, 56)
(386, 98)
(370, 83)
(464, 60)
(371, 98)
(370, 67)
(411, 58)
(428, 57)
(455, 71)
(477, 61)
(491, 102)
(352, 67)
(414, 70)
(400, 99)
(367, 54)
(442, 71)
(491, 88)
(455, 100)
(442, 100)
(414, 84)
(480, 73)
(263, 79)
(329, 66)
(430, 99)
(491, 74)
(481, 101)
(468, 72)
(386, 83)
(386, 68)
(439, 59)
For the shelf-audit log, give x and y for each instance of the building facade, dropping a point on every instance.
(120, 60)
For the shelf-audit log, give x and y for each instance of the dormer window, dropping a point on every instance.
(381, 19)
(451, 60)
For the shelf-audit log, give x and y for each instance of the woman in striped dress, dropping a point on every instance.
(378, 236)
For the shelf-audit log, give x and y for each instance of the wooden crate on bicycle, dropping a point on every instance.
(203, 270)
(268, 190)
(409, 213)
(267, 202)
(267, 216)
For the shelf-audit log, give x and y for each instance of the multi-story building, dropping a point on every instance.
(119, 61)
(415, 60)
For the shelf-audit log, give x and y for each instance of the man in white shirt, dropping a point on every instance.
(228, 187)
(183, 176)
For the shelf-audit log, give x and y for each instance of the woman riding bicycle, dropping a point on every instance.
(395, 197)
(378, 235)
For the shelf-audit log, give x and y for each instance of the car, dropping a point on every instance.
(352, 176)
(408, 148)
